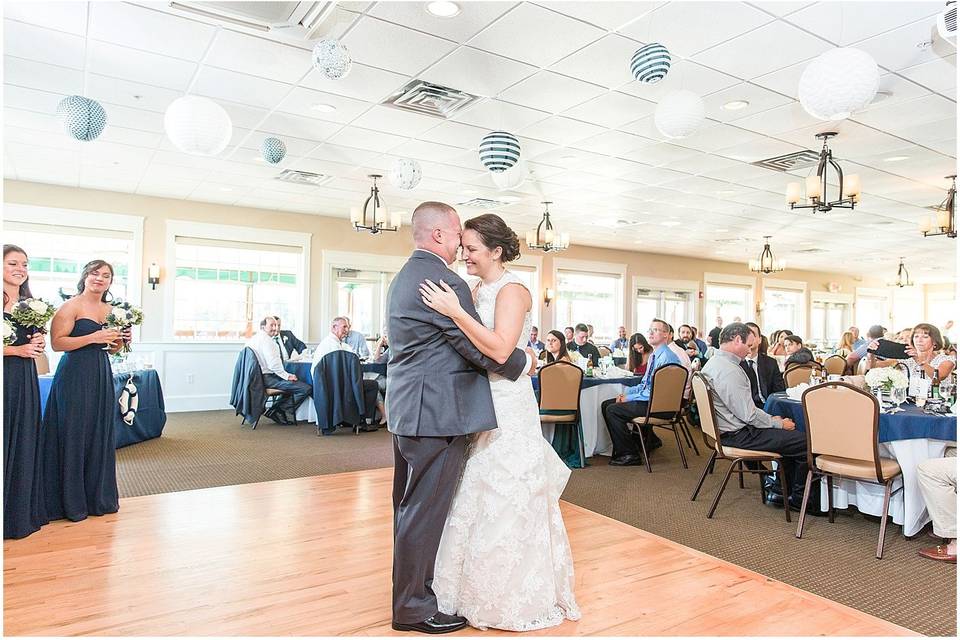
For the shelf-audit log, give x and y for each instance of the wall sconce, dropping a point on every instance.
(548, 296)
(153, 275)
(761, 306)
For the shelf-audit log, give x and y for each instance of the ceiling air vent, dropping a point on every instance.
(303, 177)
(430, 99)
(302, 21)
(947, 23)
(483, 203)
(790, 161)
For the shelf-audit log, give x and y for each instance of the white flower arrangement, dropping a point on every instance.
(124, 315)
(887, 378)
(9, 333)
(33, 313)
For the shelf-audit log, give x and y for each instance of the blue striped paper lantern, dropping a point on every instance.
(273, 150)
(499, 151)
(650, 63)
(83, 119)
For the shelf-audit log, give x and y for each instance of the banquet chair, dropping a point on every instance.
(560, 399)
(248, 395)
(604, 351)
(338, 392)
(797, 373)
(835, 365)
(665, 407)
(843, 425)
(703, 392)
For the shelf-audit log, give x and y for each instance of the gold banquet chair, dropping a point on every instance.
(560, 398)
(666, 398)
(843, 425)
(703, 392)
(797, 373)
(835, 365)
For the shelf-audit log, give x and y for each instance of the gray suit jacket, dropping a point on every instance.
(437, 381)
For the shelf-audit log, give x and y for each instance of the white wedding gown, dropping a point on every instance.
(504, 559)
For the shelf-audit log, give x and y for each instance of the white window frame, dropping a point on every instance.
(97, 220)
(790, 285)
(231, 233)
(729, 279)
(664, 284)
(868, 292)
(332, 260)
(592, 266)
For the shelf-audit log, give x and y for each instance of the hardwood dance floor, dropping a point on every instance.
(312, 556)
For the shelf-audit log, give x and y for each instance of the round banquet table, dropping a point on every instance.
(307, 411)
(909, 437)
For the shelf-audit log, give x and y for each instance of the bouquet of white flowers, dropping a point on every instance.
(33, 313)
(887, 378)
(9, 333)
(124, 315)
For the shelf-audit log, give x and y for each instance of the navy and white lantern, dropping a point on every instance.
(499, 151)
(650, 63)
(83, 119)
(273, 150)
(405, 174)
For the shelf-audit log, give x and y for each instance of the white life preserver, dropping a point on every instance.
(129, 402)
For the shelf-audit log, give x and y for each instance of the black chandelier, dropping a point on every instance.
(373, 216)
(943, 223)
(544, 237)
(766, 263)
(816, 185)
(903, 277)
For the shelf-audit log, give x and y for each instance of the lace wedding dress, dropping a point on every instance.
(504, 559)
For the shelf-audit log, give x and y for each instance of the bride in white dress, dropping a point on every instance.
(504, 559)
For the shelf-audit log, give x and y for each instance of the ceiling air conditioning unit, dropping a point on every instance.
(947, 23)
(298, 20)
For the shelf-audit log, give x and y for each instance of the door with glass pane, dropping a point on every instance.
(362, 297)
(828, 321)
(783, 309)
(730, 302)
(676, 307)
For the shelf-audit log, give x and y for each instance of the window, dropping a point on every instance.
(783, 309)
(57, 255)
(590, 298)
(732, 302)
(828, 321)
(871, 310)
(222, 289)
(676, 307)
(528, 275)
(362, 297)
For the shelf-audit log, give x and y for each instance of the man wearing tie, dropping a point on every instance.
(266, 345)
(289, 343)
(762, 370)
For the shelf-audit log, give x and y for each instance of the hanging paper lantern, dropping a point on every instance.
(499, 151)
(511, 178)
(197, 125)
(332, 59)
(838, 82)
(679, 114)
(83, 119)
(405, 174)
(273, 150)
(650, 63)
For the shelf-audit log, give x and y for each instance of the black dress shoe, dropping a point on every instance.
(437, 623)
(774, 498)
(368, 428)
(628, 460)
(813, 508)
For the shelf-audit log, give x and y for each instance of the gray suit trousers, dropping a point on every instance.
(426, 472)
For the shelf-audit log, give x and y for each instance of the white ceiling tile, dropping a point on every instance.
(606, 14)
(939, 75)
(660, 153)
(221, 84)
(30, 42)
(259, 57)
(654, 176)
(782, 45)
(686, 28)
(612, 110)
(615, 143)
(536, 35)
(684, 74)
(788, 117)
(60, 16)
(897, 49)
(605, 62)
(58, 81)
(473, 17)
(560, 130)
(131, 137)
(54, 138)
(150, 30)
(129, 94)
(908, 113)
(243, 116)
(394, 48)
(363, 82)
(396, 121)
(342, 155)
(785, 80)
(301, 102)
(701, 162)
(499, 115)
(780, 8)
(551, 92)
(477, 72)
(130, 64)
(285, 124)
(422, 150)
(366, 139)
(760, 100)
(843, 23)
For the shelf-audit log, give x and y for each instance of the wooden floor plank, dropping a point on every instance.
(312, 556)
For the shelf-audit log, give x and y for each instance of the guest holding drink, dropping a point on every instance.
(640, 351)
(554, 348)
(80, 471)
(23, 511)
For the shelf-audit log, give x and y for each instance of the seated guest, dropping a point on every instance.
(904, 336)
(266, 346)
(639, 354)
(925, 353)
(357, 341)
(581, 346)
(534, 343)
(684, 359)
(762, 370)
(740, 422)
(621, 342)
(590, 334)
(568, 334)
(554, 349)
(715, 333)
(336, 340)
(875, 332)
(796, 352)
(700, 343)
(619, 411)
(381, 355)
(937, 478)
(845, 347)
(290, 345)
(686, 340)
(857, 339)
(777, 338)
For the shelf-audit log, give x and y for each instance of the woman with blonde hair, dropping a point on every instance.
(845, 347)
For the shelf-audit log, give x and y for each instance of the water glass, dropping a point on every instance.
(899, 396)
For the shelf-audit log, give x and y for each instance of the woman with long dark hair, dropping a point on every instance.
(554, 348)
(639, 352)
(23, 511)
(80, 470)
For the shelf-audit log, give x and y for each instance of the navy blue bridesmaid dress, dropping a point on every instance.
(23, 511)
(80, 468)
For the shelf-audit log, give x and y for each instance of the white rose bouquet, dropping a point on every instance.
(9, 333)
(887, 378)
(33, 313)
(123, 316)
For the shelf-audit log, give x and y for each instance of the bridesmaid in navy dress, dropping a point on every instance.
(23, 511)
(80, 470)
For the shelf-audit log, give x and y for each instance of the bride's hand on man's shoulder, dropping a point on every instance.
(440, 297)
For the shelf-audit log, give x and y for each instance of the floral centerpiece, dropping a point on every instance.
(33, 314)
(887, 378)
(9, 333)
(124, 316)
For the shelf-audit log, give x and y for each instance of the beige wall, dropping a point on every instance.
(335, 234)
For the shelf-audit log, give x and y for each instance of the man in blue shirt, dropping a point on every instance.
(622, 342)
(619, 411)
(858, 341)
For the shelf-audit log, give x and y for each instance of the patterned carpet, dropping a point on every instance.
(836, 561)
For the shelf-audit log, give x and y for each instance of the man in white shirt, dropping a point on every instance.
(267, 348)
(357, 341)
(336, 341)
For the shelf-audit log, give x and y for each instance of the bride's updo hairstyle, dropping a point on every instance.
(494, 232)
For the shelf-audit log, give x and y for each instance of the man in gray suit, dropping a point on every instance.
(437, 393)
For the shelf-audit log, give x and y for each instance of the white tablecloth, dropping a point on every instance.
(307, 412)
(596, 438)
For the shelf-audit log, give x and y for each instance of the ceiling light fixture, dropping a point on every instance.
(373, 216)
(736, 105)
(903, 277)
(943, 222)
(443, 9)
(322, 107)
(544, 237)
(816, 185)
(766, 263)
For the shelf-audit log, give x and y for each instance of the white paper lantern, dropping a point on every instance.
(838, 83)
(273, 150)
(679, 114)
(499, 151)
(197, 125)
(83, 119)
(405, 174)
(650, 63)
(332, 59)
(511, 178)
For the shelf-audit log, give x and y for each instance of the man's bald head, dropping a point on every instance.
(436, 228)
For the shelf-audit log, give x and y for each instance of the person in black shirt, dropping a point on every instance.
(581, 346)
